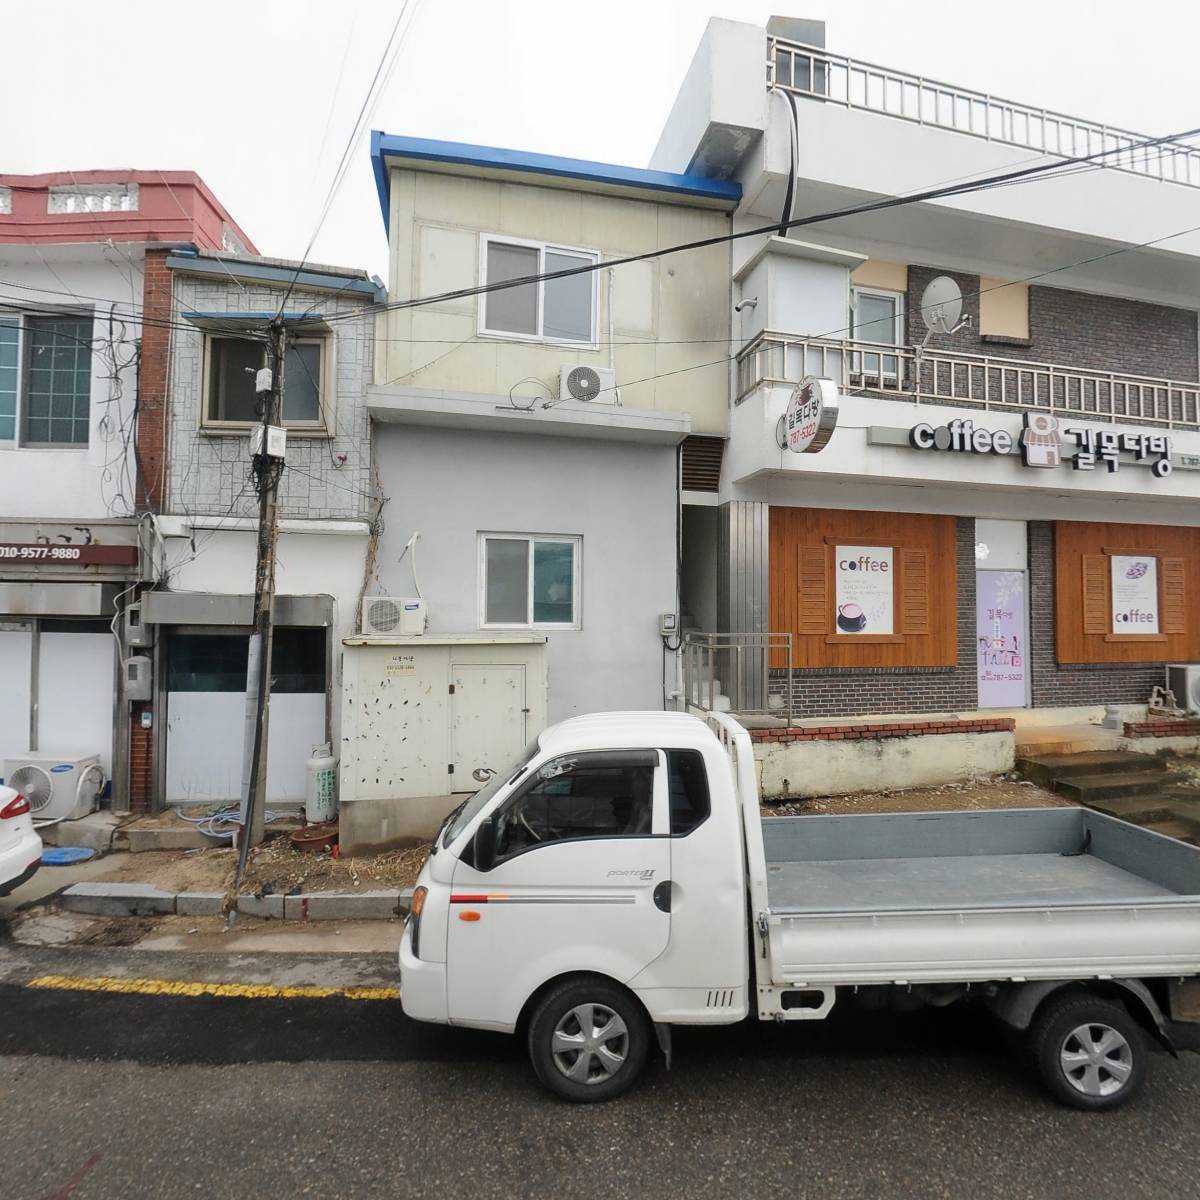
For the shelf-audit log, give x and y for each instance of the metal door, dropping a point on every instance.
(583, 885)
(489, 719)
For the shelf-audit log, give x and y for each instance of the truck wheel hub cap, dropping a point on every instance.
(1096, 1060)
(590, 1043)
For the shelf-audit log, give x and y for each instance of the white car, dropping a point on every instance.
(20, 846)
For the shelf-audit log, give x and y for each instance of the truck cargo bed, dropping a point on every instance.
(1017, 893)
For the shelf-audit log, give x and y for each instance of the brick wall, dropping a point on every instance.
(849, 691)
(1078, 329)
(141, 761)
(879, 731)
(209, 473)
(1055, 685)
(153, 366)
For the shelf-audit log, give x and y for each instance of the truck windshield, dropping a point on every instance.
(466, 814)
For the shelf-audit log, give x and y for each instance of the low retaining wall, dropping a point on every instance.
(1166, 735)
(833, 760)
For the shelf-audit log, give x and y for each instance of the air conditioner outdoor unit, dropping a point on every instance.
(393, 616)
(598, 384)
(59, 787)
(1184, 680)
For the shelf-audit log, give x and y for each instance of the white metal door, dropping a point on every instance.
(488, 721)
(582, 853)
(206, 712)
(76, 684)
(16, 649)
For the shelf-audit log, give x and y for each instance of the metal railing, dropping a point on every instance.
(970, 380)
(814, 72)
(735, 667)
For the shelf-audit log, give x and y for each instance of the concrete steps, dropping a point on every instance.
(1084, 789)
(1048, 769)
(1139, 788)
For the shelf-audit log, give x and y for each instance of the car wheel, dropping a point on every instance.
(1089, 1051)
(588, 1040)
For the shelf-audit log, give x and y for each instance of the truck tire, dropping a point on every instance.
(1089, 1052)
(588, 1040)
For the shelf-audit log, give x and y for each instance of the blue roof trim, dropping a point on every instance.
(195, 264)
(495, 158)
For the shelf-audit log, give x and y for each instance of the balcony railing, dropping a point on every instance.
(812, 71)
(968, 380)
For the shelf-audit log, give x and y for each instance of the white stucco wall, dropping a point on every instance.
(95, 480)
(620, 498)
(669, 317)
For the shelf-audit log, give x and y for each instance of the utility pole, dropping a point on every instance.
(267, 452)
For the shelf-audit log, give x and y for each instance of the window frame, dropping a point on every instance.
(898, 323)
(659, 800)
(539, 337)
(576, 541)
(319, 428)
(20, 440)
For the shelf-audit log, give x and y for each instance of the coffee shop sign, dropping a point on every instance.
(1041, 444)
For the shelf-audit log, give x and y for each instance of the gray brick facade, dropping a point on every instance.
(208, 471)
(1077, 329)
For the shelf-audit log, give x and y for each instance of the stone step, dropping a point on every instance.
(1173, 827)
(1088, 788)
(1136, 809)
(1045, 769)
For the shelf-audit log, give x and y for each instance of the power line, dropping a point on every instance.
(383, 71)
(1003, 179)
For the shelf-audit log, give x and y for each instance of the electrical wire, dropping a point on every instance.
(225, 822)
(1002, 179)
(379, 81)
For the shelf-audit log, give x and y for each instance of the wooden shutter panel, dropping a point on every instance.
(1174, 597)
(914, 591)
(812, 601)
(1096, 615)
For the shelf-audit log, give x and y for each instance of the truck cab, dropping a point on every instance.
(613, 849)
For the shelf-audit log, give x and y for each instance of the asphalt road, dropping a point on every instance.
(120, 1096)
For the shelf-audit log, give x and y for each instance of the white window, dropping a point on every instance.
(529, 582)
(554, 310)
(876, 316)
(230, 365)
(45, 378)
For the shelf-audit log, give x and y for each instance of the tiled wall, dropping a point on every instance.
(210, 473)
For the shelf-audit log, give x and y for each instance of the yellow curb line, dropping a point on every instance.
(196, 987)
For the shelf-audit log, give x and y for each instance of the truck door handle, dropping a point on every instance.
(662, 896)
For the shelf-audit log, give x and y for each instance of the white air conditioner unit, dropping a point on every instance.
(59, 787)
(393, 616)
(598, 384)
(1184, 680)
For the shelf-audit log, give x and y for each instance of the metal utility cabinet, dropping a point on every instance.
(421, 715)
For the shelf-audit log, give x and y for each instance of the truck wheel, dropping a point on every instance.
(1089, 1051)
(588, 1040)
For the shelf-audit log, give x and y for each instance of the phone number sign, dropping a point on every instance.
(52, 553)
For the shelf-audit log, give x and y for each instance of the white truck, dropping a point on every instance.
(620, 880)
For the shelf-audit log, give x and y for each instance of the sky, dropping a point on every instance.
(259, 97)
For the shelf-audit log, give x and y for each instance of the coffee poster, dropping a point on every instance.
(864, 590)
(1134, 593)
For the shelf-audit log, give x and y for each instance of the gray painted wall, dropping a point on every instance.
(619, 497)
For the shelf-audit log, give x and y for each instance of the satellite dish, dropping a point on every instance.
(941, 305)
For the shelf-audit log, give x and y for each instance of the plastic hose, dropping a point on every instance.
(223, 823)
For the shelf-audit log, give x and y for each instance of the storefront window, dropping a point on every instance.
(216, 662)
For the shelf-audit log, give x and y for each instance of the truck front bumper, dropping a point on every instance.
(422, 985)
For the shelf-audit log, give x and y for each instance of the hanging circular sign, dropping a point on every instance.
(811, 416)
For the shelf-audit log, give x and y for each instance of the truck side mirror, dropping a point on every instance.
(483, 846)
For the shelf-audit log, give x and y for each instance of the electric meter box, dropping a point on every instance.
(425, 720)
